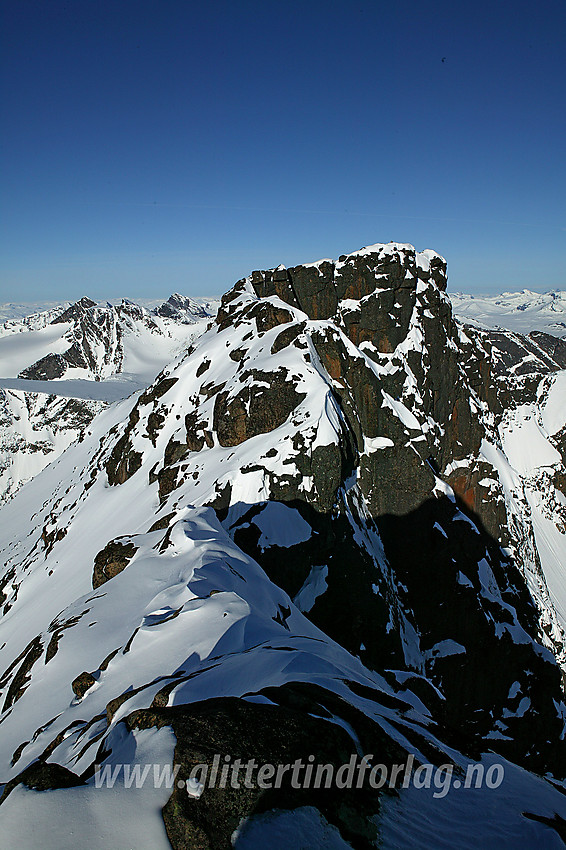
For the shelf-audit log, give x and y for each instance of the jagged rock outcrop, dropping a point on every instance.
(35, 428)
(111, 560)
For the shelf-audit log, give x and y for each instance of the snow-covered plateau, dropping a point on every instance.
(331, 531)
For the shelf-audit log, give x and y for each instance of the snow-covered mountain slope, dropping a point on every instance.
(521, 312)
(50, 361)
(34, 429)
(530, 462)
(290, 546)
(522, 385)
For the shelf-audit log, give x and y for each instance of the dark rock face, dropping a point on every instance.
(111, 560)
(450, 583)
(48, 368)
(311, 287)
(387, 279)
(274, 282)
(75, 311)
(352, 574)
(256, 409)
(82, 683)
(278, 734)
(553, 347)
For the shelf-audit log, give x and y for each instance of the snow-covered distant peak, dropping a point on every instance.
(18, 311)
(186, 310)
(59, 367)
(522, 312)
(89, 340)
(38, 313)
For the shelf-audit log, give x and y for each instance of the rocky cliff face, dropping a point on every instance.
(304, 530)
(415, 399)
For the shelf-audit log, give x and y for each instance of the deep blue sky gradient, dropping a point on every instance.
(149, 145)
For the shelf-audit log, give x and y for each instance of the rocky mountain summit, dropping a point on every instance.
(183, 309)
(334, 525)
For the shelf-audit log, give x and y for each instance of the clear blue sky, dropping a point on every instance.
(149, 146)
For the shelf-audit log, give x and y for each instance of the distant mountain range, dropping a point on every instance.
(514, 311)
(61, 366)
(15, 310)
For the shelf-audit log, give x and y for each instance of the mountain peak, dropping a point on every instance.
(180, 307)
(75, 311)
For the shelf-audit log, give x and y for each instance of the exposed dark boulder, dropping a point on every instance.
(255, 408)
(203, 366)
(285, 338)
(197, 433)
(157, 389)
(111, 560)
(167, 480)
(82, 684)
(267, 316)
(295, 727)
(43, 776)
(155, 422)
(20, 680)
(123, 462)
